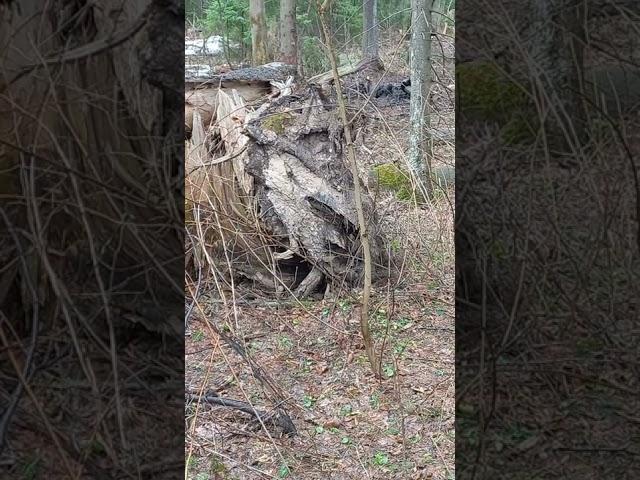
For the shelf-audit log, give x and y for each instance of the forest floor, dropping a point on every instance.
(349, 424)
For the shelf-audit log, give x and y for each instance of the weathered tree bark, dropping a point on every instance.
(305, 189)
(419, 144)
(252, 83)
(371, 30)
(288, 33)
(258, 32)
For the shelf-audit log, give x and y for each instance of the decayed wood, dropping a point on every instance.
(252, 84)
(231, 116)
(304, 187)
(205, 102)
(197, 187)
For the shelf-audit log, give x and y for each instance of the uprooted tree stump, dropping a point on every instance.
(280, 194)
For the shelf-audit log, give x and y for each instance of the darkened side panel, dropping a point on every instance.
(547, 239)
(92, 256)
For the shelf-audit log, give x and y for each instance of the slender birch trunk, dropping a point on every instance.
(420, 58)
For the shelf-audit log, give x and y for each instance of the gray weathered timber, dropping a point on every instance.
(275, 71)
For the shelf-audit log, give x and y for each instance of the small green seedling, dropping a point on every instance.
(389, 370)
(380, 459)
(308, 401)
(346, 410)
(198, 336)
(284, 471)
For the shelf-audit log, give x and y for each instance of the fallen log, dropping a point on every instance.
(305, 188)
(270, 72)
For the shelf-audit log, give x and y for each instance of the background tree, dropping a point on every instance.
(288, 32)
(439, 9)
(194, 9)
(420, 55)
(371, 33)
(231, 20)
(557, 53)
(258, 32)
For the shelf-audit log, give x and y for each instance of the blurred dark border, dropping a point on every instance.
(547, 238)
(92, 250)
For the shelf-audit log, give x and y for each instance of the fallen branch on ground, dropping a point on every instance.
(279, 418)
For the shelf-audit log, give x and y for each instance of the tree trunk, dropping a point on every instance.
(357, 192)
(557, 57)
(258, 32)
(419, 144)
(288, 34)
(370, 36)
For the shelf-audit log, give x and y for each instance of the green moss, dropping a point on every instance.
(485, 92)
(397, 180)
(217, 467)
(276, 122)
(483, 89)
(393, 178)
(390, 176)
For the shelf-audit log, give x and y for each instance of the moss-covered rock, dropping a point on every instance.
(487, 93)
(391, 177)
(397, 180)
